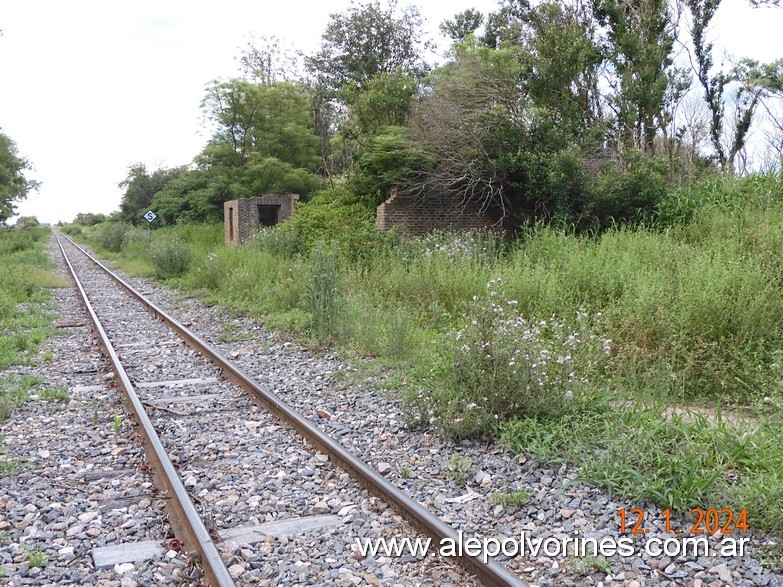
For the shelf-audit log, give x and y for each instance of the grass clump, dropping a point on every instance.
(25, 279)
(324, 293)
(516, 498)
(112, 236)
(458, 468)
(14, 390)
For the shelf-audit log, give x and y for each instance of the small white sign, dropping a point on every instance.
(150, 216)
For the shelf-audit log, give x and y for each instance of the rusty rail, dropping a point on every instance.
(490, 573)
(197, 537)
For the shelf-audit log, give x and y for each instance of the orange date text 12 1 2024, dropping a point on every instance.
(708, 521)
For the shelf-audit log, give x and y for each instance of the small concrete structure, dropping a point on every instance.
(243, 218)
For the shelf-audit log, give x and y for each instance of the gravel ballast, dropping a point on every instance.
(245, 468)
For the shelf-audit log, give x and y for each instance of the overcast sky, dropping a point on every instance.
(90, 87)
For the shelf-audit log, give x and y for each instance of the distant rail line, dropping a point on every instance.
(194, 528)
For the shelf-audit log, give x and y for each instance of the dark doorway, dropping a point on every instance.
(268, 215)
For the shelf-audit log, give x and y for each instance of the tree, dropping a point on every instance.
(561, 66)
(640, 37)
(749, 80)
(465, 23)
(140, 188)
(368, 40)
(271, 120)
(267, 60)
(14, 186)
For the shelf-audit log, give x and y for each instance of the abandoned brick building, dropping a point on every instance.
(416, 216)
(244, 218)
(421, 215)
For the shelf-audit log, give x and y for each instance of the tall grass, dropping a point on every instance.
(24, 281)
(690, 307)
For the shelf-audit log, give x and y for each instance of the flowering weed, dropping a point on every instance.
(503, 365)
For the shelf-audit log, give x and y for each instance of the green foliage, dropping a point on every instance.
(324, 292)
(71, 230)
(458, 468)
(24, 278)
(502, 365)
(270, 121)
(90, 219)
(14, 186)
(640, 52)
(140, 188)
(367, 40)
(465, 23)
(516, 498)
(334, 216)
(388, 160)
(281, 241)
(26, 222)
(171, 257)
(384, 102)
(14, 390)
(36, 558)
(632, 191)
(53, 394)
(112, 236)
(273, 176)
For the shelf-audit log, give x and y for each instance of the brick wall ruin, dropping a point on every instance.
(419, 216)
(243, 218)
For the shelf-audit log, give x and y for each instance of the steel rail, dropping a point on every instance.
(197, 537)
(488, 573)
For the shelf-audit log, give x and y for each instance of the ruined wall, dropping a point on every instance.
(243, 218)
(419, 216)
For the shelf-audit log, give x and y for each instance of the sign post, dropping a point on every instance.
(149, 217)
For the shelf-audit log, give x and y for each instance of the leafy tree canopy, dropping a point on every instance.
(368, 40)
(14, 186)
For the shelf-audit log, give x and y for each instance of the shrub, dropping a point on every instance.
(171, 257)
(282, 240)
(633, 192)
(502, 366)
(71, 230)
(112, 236)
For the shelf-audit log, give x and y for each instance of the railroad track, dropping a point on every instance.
(171, 389)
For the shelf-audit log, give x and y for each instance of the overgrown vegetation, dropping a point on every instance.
(24, 279)
(642, 273)
(565, 346)
(24, 323)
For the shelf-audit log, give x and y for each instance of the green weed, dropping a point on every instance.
(36, 558)
(53, 394)
(516, 498)
(458, 468)
(324, 292)
(171, 257)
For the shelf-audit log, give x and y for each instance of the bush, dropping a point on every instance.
(71, 230)
(502, 366)
(633, 192)
(282, 240)
(171, 257)
(112, 236)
